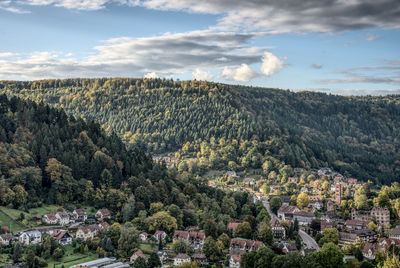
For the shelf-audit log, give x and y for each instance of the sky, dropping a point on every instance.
(348, 47)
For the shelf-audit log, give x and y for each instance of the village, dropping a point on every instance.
(317, 207)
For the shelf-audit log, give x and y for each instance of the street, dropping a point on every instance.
(307, 240)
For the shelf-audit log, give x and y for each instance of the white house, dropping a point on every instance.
(143, 236)
(181, 258)
(234, 261)
(62, 237)
(62, 218)
(5, 239)
(49, 218)
(30, 237)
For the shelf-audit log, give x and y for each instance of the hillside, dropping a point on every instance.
(358, 136)
(46, 156)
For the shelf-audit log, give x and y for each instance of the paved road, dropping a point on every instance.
(307, 240)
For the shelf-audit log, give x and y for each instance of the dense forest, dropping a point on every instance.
(47, 157)
(357, 136)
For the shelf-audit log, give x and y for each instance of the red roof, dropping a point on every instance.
(51, 217)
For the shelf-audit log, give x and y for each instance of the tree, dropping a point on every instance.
(17, 252)
(154, 261)
(58, 253)
(265, 234)
(128, 241)
(331, 256)
(360, 198)
(224, 238)
(329, 235)
(244, 230)
(128, 210)
(211, 249)
(275, 204)
(264, 257)
(372, 226)
(303, 200)
(162, 221)
(140, 263)
(263, 216)
(181, 246)
(211, 228)
(20, 195)
(358, 254)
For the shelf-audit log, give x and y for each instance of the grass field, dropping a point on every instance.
(70, 258)
(6, 220)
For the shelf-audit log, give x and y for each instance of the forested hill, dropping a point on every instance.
(358, 136)
(48, 156)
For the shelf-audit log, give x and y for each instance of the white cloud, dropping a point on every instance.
(270, 64)
(241, 74)
(372, 37)
(165, 55)
(151, 75)
(7, 54)
(201, 75)
(7, 6)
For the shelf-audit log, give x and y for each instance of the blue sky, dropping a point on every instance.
(345, 47)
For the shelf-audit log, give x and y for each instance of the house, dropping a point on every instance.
(136, 255)
(383, 244)
(285, 212)
(102, 214)
(30, 237)
(160, 235)
(303, 217)
(86, 232)
(248, 181)
(395, 233)
(327, 224)
(289, 248)
(277, 229)
(143, 236)
(103, 225)
(330, 205)
(195, 239)
(62, 237)
(346, 237)
(352, 181)
(382, 215)
(181, 258)
(6, 239)
(316, 205)
(192, 228)
(49, 219)
(355, 224)
(369, 250)
(232, 174)
(200, 258)
(244, 245)
(232, 226)
(79, 215)
(324, 172)
(234, 261)
(366, 235)
(293, 179)
(62, 218)
(212, 184)
(162, 254)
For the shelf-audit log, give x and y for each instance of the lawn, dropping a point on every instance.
(43, 210)
(6, 220)
(148, 248)
(4, 259)
(70, 258)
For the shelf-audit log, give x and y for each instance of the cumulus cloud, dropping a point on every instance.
(201, 75)
(241, 74)
(165, 55)
(270, 64)
(151, 75)
(7, 5)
